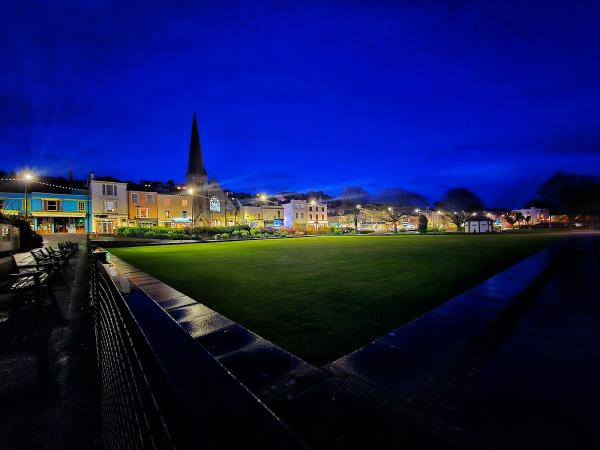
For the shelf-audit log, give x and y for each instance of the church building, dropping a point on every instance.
(210, 204)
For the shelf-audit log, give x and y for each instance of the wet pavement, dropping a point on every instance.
(47, 367)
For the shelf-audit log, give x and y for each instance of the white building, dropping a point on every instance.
(300, 214)
(479, 224)
(109, 205)
(535, 215)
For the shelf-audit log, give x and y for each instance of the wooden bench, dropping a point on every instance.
(15, 279)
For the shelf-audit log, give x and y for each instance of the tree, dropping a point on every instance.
(422, 223)
(399, 197)
(401, 202)
(458, 203)
(571, 194)
(354, 195)
(519, 217)
(395, 214)
(510, 218)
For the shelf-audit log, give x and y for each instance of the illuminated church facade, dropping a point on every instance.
(210, 205)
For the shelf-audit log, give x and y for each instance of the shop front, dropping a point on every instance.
(75, 223)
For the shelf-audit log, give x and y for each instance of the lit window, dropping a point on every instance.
(167, 214)
(110, 206)
(142, 213)
(184, 203)
(52, 205)
(80, 206)
(215, 204)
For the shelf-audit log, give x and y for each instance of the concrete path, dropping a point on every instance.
(541, 389)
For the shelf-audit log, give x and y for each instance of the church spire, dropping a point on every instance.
(196, 171)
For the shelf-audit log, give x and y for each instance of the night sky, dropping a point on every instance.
(424, 95)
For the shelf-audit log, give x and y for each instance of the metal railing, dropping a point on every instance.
(130, 415)
(160, 389)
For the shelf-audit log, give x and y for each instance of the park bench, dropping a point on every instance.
(15, 279)
(44, 259)
(72, 247)
(62, 255)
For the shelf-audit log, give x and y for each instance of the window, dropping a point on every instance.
(150, 199)
(109, 189)
(322, 216)
(302, 215)
(279, 214)
(80, 206)
(184, 203)
(110, 206)
(215, 204)
(142, 213)
(184, 214)
(310, 216)
(1, 203)
(167, 201)
(310, 208)
(167, 214)
(52, 205)
(296, 215)
(322, 208)
(135, 198)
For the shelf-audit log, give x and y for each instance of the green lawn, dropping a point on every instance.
(320, 298)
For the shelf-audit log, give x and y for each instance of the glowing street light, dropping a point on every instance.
(28, 177)
(191, 192)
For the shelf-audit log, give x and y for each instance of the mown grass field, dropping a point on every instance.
(320, 298)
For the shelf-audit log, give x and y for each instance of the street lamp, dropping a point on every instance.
(28, 177)
(191, 192)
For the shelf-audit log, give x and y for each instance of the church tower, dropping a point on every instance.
(196, 173)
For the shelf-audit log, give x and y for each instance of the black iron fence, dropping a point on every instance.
(159, 388)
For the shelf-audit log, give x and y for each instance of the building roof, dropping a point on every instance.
(478, 218)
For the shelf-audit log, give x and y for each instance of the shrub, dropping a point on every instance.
(37, 240)
(244, 233)
(254, 232)
(224, 235)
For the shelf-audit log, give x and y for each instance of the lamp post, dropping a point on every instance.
(191, 192)
(356, 214)
(28, 178)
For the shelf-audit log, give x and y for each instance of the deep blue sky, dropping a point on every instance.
(424, 95)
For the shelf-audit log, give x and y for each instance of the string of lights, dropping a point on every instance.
(45, 184)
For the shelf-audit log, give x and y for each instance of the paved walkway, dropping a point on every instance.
(47, 368)
(541, 389)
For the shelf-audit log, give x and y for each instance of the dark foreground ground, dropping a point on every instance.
(47, 368)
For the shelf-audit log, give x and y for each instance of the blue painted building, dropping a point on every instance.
(49, 212)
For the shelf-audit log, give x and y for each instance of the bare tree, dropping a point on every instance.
(458, 204)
